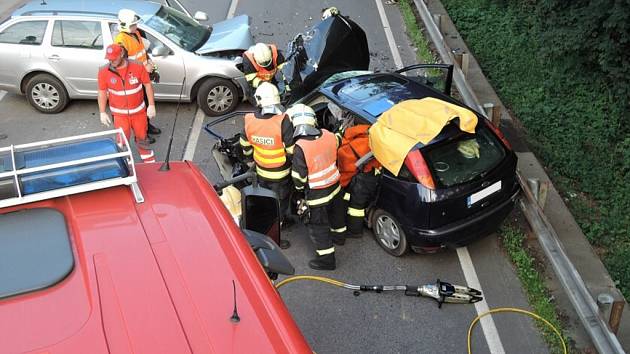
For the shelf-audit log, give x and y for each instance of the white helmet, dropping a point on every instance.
(304, 120)
(267, 95)
(301, 114)
(329, 12)
(262, 54)
(126, 19)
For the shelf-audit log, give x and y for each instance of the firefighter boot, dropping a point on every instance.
(325, 262)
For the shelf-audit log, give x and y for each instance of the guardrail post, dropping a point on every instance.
(539, 190)
(437, 18)
(493, 112)
(465, 63)
(616, 310)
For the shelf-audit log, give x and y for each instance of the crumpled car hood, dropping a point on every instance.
(232, 34)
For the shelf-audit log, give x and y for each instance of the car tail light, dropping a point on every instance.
(498, 132)
(418, 167)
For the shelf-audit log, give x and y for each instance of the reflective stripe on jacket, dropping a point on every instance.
(265, 136)
(261, 72)
(321, 160)
(132, 42)
(124, 88)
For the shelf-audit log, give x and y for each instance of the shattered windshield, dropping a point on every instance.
(179, 28)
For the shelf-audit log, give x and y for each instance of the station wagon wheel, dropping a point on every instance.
(388, 233)
(46, 94)
(217, 96)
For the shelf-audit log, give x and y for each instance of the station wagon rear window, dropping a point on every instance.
(26, 32)
(465, 157)
(35, 251)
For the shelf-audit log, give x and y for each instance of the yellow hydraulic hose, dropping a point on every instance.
(472, 324)
(310, 277)
(512, 309)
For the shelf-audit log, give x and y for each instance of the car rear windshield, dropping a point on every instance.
(464, 157)
(181, 29)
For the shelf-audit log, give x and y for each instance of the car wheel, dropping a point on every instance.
(388, 233)
(46, 94)
(217, 97)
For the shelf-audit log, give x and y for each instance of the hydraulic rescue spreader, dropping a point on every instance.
(440, 291)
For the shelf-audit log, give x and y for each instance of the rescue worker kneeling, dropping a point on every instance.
(261, 62)
(360, 184)
(314, 171)
(268, 137)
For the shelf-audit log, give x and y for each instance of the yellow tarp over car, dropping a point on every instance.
(409, 122)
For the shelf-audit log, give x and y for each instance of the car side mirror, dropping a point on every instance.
(261, 211)
(269, 254)
(201, 16)
(160, 51)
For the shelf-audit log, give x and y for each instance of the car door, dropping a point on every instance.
(76, 53)
(20, 43)
(170, 66)
(438, 76)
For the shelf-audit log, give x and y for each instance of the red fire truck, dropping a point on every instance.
(99, 255)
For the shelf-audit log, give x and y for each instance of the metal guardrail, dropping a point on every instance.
(605, 341)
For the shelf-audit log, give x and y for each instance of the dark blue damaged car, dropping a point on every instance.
(439, 198)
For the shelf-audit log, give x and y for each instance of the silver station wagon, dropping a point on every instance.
(51, 51)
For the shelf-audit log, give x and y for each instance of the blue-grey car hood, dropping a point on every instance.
(232, 34)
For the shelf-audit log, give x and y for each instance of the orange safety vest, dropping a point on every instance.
(132, 42)
(355, 144)
(261, 72)
(125, 88)
(321, 160)
(265, 135)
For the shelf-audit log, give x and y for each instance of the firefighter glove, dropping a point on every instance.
(151, 111)
(105, 119)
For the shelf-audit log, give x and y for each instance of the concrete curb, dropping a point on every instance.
(574, 242)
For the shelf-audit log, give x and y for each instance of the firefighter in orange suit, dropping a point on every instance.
(120, 82)
(261, 62)
(268, 138)
(314, 171)
(136, 46)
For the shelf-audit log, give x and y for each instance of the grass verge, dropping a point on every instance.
(513, 240)
(512, 237)
(420, 42)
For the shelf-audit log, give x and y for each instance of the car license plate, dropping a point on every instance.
(475, 197)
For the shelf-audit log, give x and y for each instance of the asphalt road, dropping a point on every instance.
(332, 319)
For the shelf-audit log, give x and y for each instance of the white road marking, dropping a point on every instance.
(232, 9)
(487, 323)
(389, 35)
(2, 94)
(193, 138)
(191, 144)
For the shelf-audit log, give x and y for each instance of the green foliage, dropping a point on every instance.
(562, 67)
(419, 41)
(537, 294)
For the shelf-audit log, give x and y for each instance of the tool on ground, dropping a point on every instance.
(440, 291)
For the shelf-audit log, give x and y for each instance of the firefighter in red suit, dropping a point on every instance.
(120, 82)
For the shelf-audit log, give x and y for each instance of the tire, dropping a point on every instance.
(388, 233)
(46, 94)
(217, 97)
